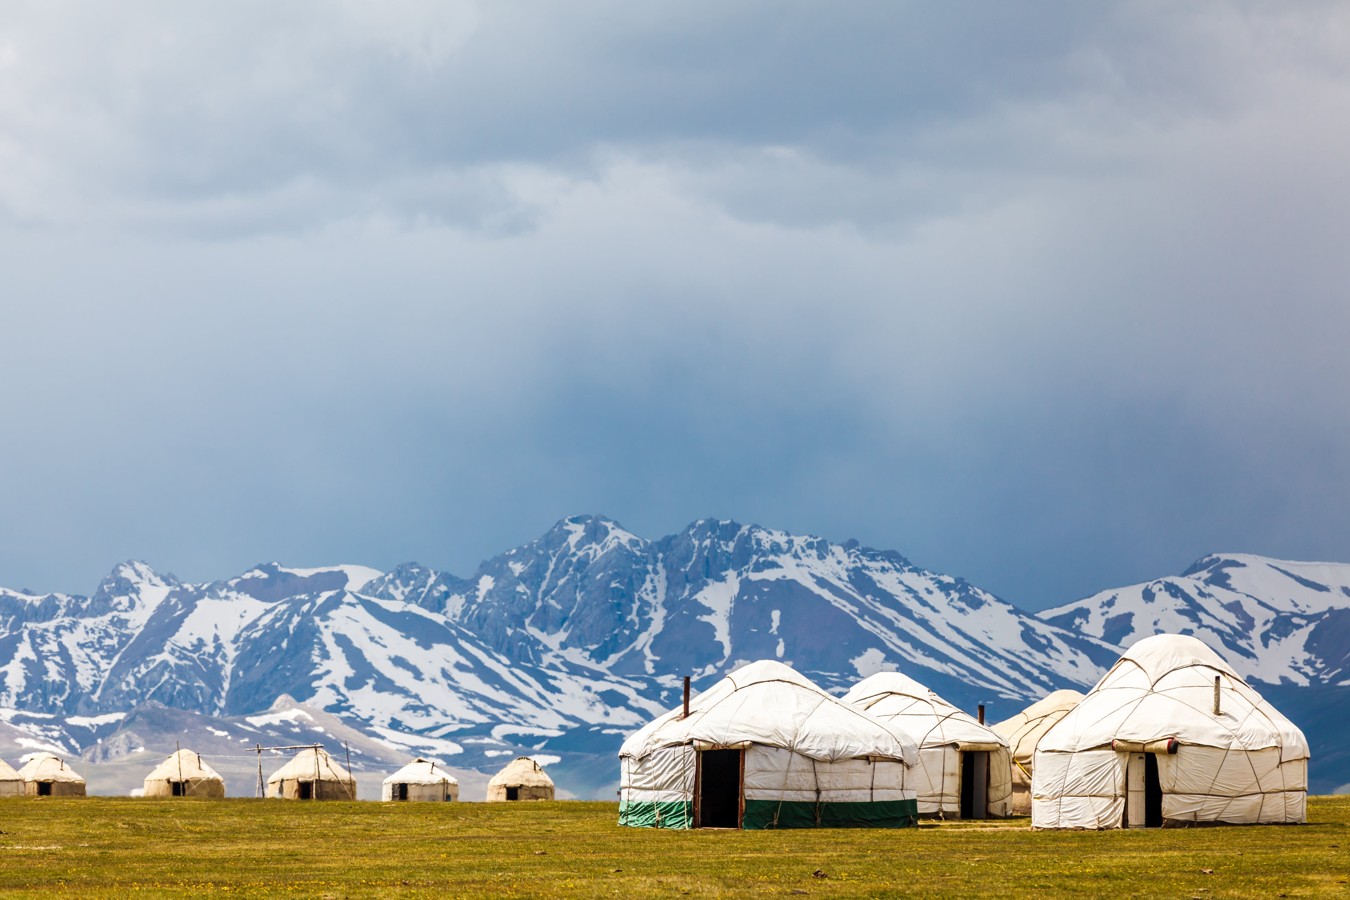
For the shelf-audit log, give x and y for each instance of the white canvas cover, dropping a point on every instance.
(187, 770)
(522, 779)
(1023, 731)
(48, 774)
(802, 745)
(11, 783)
(312, 774)
(943, 733)
(422, 779)
(1246, 763)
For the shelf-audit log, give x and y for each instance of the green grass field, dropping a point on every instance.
(116, 847)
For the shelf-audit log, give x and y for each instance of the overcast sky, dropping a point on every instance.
(1055, 297)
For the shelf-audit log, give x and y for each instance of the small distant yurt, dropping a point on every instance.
(964, 768)
(421, 779)
(11, 782)
(312, 775)
(184, 774)
(49, 776)
(1022, 731)
(1171, 735)
(767, 748)
(522, 779)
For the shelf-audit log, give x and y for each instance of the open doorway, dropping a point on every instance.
(718, 801)
(305, 790)
(1153, 817)
(401, 791)
(1143, 792)
(975, 784)
(178, 788)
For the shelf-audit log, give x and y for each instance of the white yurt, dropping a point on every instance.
(964, 768)
(421, 779)
(184, 774)
(49, 776)
(522, 779)
(312, 775)
(766, 748)
(1171, 735)
(1023, 731)
(11, 782)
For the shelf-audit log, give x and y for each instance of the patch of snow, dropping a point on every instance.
(95, 721)
(870, 662)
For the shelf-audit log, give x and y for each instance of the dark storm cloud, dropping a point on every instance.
(1049, 297)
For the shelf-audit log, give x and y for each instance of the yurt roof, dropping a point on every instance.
(421, 771)
(919, 712)
(183, 765)
(1025, 729)
(7, 772)
(49, 768)
(769, 703)
(521, 772)
(1163, 687)
(303, 767)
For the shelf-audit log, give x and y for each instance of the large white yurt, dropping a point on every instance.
(1171, 735)
(522, 779)
(1023, 731)
(421, 779)
(312, 775)
(766, 748)
(964, 768)
(49, 776)
(11, 782)
(184, 774)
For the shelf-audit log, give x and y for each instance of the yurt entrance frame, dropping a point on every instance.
(719, 789)
(974, 784)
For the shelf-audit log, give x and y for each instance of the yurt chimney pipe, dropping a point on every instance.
(980, 709)
(686, 697)
(1216, 695)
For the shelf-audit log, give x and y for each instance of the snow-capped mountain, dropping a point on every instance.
(563, 645)
(1273, 620)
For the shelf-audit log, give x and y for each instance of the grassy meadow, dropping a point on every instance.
(118, 847)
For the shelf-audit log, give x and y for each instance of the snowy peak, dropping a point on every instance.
(1279, 620)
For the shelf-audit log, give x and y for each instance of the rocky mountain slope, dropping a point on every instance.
(561, 646)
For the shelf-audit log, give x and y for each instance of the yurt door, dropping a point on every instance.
(717, 800)
(975, 784)
(1143, 792)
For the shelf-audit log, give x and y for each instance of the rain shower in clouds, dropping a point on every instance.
(1048, 297)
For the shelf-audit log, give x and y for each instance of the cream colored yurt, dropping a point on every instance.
(1171, 735)
(1022, 731)
(522, 779)
(11, 782)
(421, 779)
(49, 776)
(312, 775)
(766, 748)
(964, 769)
(184, 774)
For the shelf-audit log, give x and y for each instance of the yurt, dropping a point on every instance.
(11, 782)
(766, 748)
(184, 774)
(421, 779)
(312, 775)
(522, 779)
(964, 769)
(49, 776)
(1171, 735)
(1022, 731)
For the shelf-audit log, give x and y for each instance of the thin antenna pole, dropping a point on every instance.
(178, 755)
(262, 790)
(351, 776)
(686, 697)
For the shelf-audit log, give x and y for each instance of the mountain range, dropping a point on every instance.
(560, 647)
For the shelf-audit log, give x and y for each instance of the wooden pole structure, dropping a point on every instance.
(1216, 695)
(178, 755)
